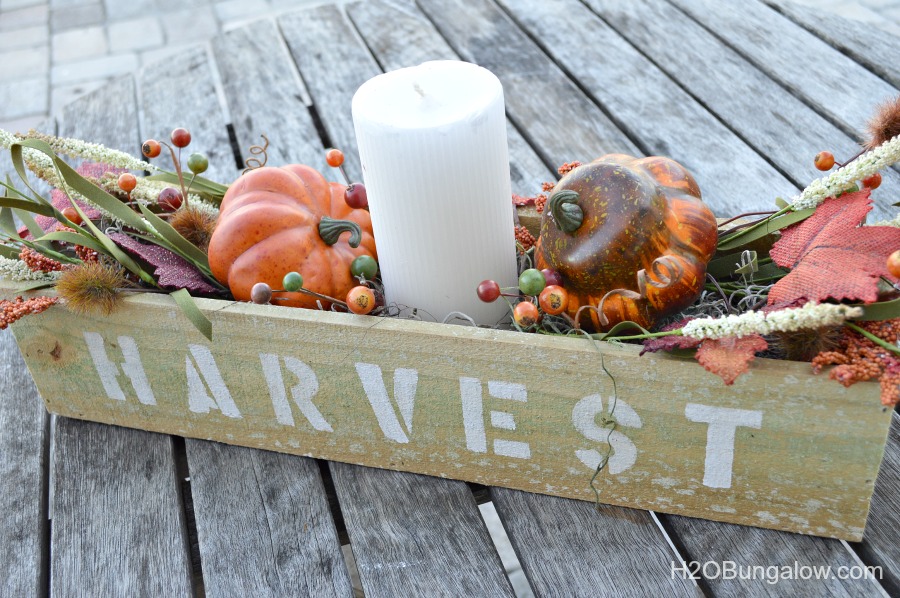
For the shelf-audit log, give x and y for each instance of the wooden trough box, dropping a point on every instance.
(781, 448)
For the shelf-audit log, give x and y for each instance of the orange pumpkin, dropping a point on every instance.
(633, 224)
(288, 219)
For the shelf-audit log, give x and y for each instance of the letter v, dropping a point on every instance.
(405, 383)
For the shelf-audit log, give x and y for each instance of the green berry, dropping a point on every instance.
(364, 265)
(292, 282)
(198, 163)
(532, 282)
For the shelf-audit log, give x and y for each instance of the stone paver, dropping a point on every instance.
(78, 44)
(102, 67)
(142, 33)
(11, 20)
(24, 37)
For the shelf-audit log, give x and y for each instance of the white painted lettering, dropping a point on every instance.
(199, 400)
(723, 423)
(109, 372)
(473, 416)
(624, 453)
(405, 383)
(306, 388)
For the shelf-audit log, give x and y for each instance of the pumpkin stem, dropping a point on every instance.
(330, 230)
(565, 210)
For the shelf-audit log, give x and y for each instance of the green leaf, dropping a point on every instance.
(7, 223)
(781, 203)
(211, 190)
(41, 284)
(75, 239)
(11, 253)
(193, 313)
(763, 228)
(182, 246)
(32, 226)
(883, 310)
(26, 205)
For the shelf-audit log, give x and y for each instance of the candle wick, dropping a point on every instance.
(419, 90)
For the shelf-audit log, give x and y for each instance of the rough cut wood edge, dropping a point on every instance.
(805, 435)
(263, 524)
(417, 536)
(23, 483)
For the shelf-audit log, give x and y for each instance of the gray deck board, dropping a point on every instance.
(401, 36)
(556, 117)
(415, 535)
(263, 524)
(23, 492)
(645, 101)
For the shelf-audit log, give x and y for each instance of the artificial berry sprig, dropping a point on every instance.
(825, 161)
(197, 163)
(545, 285)
(355, 195)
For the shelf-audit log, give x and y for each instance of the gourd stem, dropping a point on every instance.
(564, 208)
(330, 230)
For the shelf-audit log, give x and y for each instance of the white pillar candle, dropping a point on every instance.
(435, 162)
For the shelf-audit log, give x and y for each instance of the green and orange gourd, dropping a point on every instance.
(288, 219)
(629, 236)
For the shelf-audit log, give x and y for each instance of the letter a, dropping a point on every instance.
(199, 400)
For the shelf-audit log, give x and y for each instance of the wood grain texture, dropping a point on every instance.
(118, 527)
(605, 551)
(399, 35)
(265, 95)
(775, 122)
(645, 101)
(708, 541)
(23, 492)
(107, 116)
(445, 408)
(333, 63)
(263, 524)
(560, 122)
(417, 536)
(880, 546)
(869, 45)
(182, 93)
(823, 77)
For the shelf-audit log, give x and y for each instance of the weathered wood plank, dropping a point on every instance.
(826, 79)
(401, 36)
(560, 122)
(333, 63)
(417, 536)
(605, 551)
(455, 416)
(872, 47)
(107, 116)
(746, 547)
(23, 481)
(643, 100)
(263, 524)
(265, 95)
(771, 119)
(118, 528)
(880, 546)
(182, 93)
(6, 165)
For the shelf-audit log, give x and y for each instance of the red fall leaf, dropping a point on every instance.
(670, 343)
(830, 256)
(730, 357)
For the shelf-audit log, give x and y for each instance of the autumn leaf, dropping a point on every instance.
(831, 256)
(670, 343)
(730, 357)
(172, 271)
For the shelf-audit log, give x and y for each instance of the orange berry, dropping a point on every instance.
(526, 314)
(893, 264)
(334, 157)
(361, 300)
(127, 182)
(553, 300)
(72, 214)
(151, 148)
(824, 161)
(872, 181)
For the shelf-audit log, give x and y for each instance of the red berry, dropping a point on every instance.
(151, 148)
(893, 264)
(526, 314)
(181, 137)
(72, 214)
(127, 182)
(488, 291)
(356, 196)
(872, 181)
(261, 293)
(552, 277)
(553, 300)
(824, 161)
(334, 157)
(361, 300)
(169, 199)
